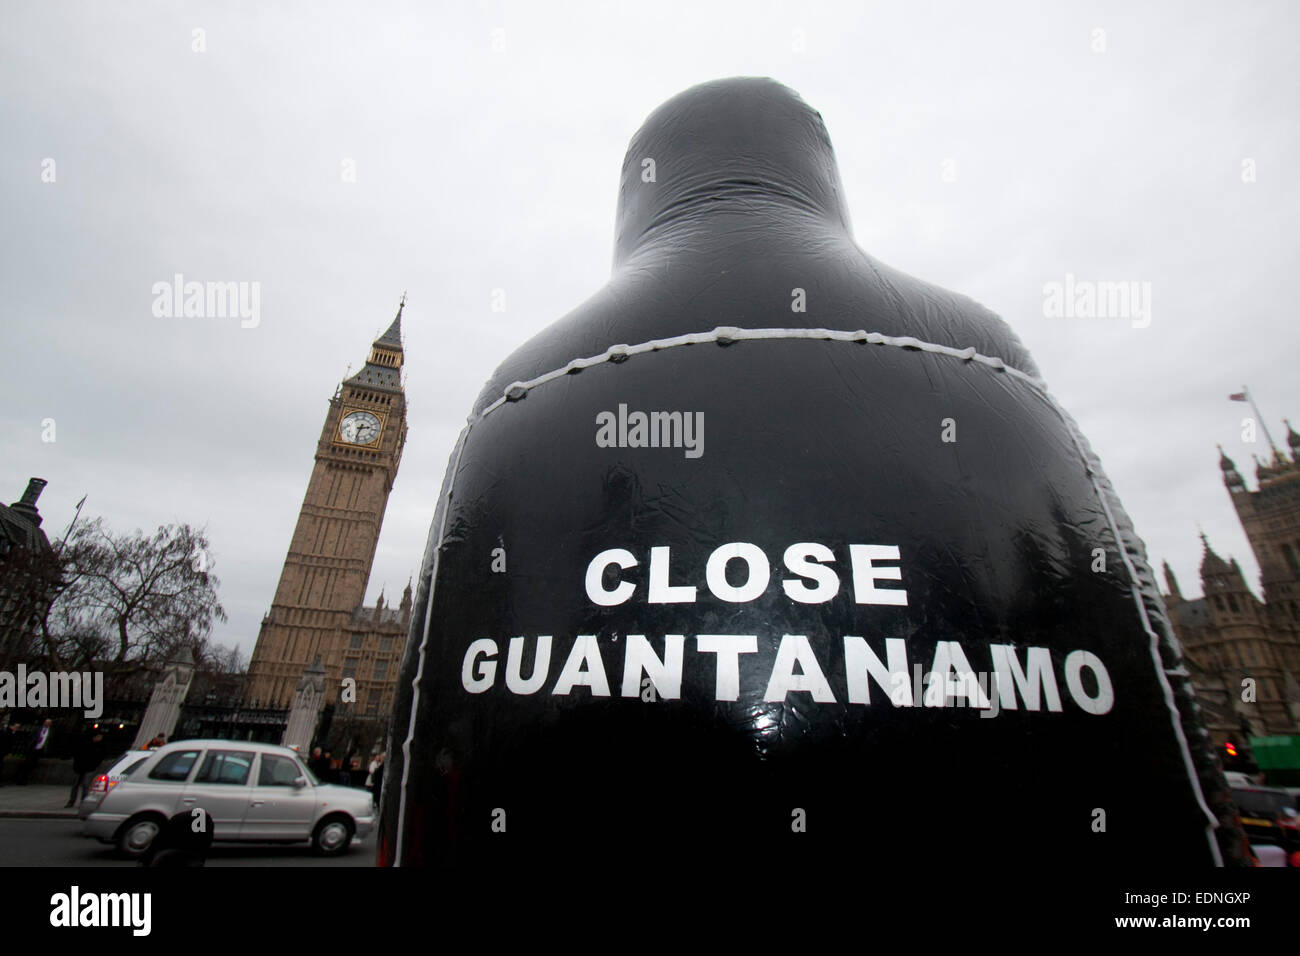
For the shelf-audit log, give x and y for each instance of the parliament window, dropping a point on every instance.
(356, 642)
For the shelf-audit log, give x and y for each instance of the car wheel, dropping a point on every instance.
(332, 836)
(136, 836)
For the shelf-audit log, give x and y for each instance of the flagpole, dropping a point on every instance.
(68, 533)
(1260, 418)
(56, 585)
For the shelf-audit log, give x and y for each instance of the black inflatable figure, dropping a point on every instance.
(769, 548)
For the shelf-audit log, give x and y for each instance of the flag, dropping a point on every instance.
(82, 501)
(1237, 397)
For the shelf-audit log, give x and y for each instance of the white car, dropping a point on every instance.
(110, 778)
(255, 793)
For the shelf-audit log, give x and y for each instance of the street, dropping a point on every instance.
(58, 842)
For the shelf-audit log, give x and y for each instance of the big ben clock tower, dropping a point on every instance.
(333, 547)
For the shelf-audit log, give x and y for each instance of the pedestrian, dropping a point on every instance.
(84, 761)
(375, 780)
(37, 747)
(183, 841)
(8, 739)
(345, 769)
(319, 764)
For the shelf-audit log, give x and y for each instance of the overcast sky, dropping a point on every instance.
(990, 148)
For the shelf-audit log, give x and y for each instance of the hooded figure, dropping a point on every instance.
(768, 546)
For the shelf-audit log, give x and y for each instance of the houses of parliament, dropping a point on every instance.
(1230, 636)
(317, 614)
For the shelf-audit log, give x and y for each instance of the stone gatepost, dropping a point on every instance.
(165, 703)
(307, 702)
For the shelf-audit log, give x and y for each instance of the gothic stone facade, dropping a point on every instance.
(30, 576)
(317, 610)
(376, 638)
(1231, 635)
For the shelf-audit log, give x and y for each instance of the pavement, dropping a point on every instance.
(35, 800)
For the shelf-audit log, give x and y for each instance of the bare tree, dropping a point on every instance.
(131, 601)
(219, 659)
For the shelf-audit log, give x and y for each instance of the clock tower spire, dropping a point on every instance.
(327, 568)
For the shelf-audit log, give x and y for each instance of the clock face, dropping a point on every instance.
(359, 428)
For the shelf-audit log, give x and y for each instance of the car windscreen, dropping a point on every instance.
(306, 772)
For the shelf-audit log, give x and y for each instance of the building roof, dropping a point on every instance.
(1211, 563)
(20, 522)
(365, 616)
(377, 376)
(16, 531)
(374, 375)
(1225, 463)
(392, 339)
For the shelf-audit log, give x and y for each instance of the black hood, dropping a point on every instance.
(731, 199)
(748, 142)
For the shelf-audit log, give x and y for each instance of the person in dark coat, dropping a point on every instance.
(319, 765)
(183, 841)
(8, 738)
(84, 761)
(376, 778)
(39, 746)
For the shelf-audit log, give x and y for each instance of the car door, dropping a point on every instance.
(222, 787)
(278, 810)
(164, 786)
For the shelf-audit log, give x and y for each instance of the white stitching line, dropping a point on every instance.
(1175, 717)
(725, 335)
(424, 643)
